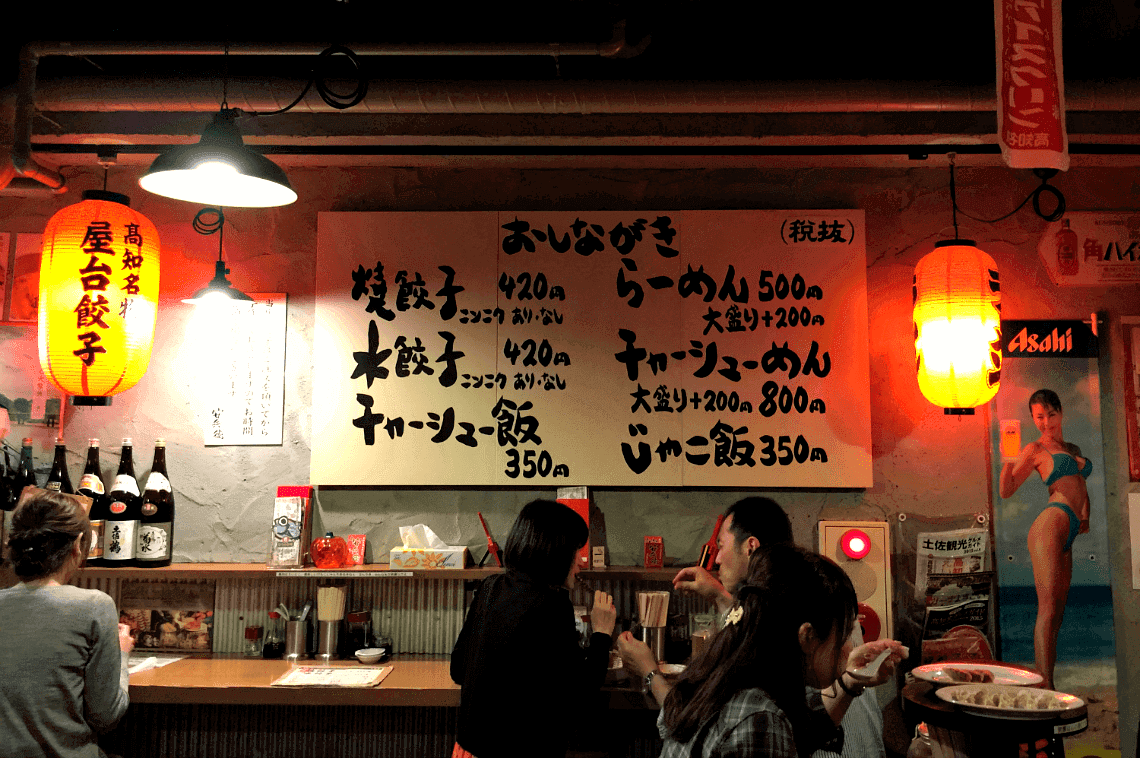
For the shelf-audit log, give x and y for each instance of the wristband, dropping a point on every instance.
(854, 693)
(649, 678)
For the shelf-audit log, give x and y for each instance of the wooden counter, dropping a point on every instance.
(416, 680)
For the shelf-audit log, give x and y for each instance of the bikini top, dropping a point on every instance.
(1066, 465)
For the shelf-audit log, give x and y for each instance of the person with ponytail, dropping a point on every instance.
(63, 653)
(744, 696)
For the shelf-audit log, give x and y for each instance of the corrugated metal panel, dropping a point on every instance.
(421, 615)
(625, 591)
(110, 585)
(192, 731)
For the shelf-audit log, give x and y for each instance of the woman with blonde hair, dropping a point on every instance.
(1063, 469)
(63, 653)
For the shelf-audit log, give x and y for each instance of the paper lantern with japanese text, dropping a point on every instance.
(98, 296)
(957, 325)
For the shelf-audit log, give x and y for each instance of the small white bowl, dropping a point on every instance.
(369, 654)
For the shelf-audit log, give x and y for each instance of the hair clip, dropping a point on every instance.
(734, 615)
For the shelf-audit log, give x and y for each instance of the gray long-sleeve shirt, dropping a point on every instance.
(63, 678)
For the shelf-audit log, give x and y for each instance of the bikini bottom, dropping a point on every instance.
(1074, 524)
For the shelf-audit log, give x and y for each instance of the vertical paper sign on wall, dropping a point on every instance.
(244, 398)
(679, 348)
(1031, 84)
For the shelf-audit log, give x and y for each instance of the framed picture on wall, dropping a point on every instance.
(1132, 394)
(23, 291)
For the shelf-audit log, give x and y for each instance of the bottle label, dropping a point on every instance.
(53, 486)
(149, 509)
(91, 483)
(126, 483)
(118, 506)
(96, 550)
(157, 482)
(153, 542)
(119, 540)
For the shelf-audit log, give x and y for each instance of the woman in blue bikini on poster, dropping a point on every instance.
(1064, 470)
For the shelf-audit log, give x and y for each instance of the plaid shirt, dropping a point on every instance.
(750, 725)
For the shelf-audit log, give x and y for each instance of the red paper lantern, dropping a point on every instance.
(957, 325)
(98, 296)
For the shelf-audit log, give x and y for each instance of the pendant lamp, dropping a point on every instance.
(219, 288)
(98, 297)
(219, 170)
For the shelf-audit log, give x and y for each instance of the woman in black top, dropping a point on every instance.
(523, 673)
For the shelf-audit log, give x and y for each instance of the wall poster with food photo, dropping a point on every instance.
(1050, 519)
(169, 617)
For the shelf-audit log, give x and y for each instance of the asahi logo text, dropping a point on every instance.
(1028, 342)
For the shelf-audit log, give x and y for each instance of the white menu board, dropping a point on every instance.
(244, 396)
(672, 348)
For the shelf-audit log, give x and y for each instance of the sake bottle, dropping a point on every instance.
(7, 498)
(91, 485)
(59, 480)
(26, 472)
(7, 483)
(123, 520)
(155, 540)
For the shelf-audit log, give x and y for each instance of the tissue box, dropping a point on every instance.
(455, 557)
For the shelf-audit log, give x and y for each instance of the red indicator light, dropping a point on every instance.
(855, 544)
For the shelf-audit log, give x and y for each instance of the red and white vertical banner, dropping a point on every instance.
(1031, 84)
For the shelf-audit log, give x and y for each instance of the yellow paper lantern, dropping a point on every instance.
(957, 325)
(98, 296)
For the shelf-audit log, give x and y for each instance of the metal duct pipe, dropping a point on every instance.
(105, 94)
(26, 166)
(22, 161)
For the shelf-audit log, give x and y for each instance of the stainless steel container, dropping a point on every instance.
(328, 634)
(295, 639)
(654, 637)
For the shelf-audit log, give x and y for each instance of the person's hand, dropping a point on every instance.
(126, 641)
(697, 581)
(868, 652)
(635, 654)
(603, 615)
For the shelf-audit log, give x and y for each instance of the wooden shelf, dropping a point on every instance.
(379, 570)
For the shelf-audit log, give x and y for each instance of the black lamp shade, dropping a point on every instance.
(219, 287)
(219, 170)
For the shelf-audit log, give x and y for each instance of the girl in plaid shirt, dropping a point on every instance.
(744, 696)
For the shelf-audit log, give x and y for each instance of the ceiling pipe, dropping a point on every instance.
(26, 166)
(22, 161)
(252, 95)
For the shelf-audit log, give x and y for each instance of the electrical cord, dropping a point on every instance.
(331, 97)
(1044, 174)
(202, 226)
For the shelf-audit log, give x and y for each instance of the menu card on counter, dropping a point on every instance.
(327, 676)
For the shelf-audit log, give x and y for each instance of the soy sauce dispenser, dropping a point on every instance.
(359, 627)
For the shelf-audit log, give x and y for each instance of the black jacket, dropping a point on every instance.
(525, 678)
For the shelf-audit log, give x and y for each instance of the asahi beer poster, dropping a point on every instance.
(672, 348)
(1092, 249)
